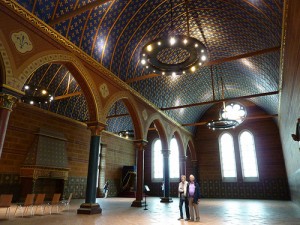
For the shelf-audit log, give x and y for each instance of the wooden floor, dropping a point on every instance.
(213, 211)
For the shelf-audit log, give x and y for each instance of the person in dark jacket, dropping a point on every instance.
(105, 188)
(193, 193)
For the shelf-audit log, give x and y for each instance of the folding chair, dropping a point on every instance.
(39, 202)
(66, 203)
(28, 203)
(55, 202)
(5, 202)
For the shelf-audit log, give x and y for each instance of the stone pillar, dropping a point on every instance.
(166, 158)
(195, 170)
(138, 202)
(183, 165)
(6, 104)
(90, 206)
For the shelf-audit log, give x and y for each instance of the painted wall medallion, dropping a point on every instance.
(104, 90)
(145, 114)
(22, 42)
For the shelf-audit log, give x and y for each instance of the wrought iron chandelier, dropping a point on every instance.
(126, 134)
(175, 54)
(230, 115)
(37, 95)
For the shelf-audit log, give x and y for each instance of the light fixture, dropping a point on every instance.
(176, 53)
(234, 111)
(126, 134)
(36, 95)
(230, 115)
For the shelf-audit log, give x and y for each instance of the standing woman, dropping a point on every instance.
(193, 192)
(182, 192)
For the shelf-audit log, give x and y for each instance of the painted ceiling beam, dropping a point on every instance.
(68, 95)
(77, 11)
(205, 103)
(215, 62)
(117, 115)
(247, 118)
(220, 100)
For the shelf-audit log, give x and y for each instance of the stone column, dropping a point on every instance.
(138, 202)
(166, 158)
(195, 170)
(90, 206)
(6, 104)
(183, 165)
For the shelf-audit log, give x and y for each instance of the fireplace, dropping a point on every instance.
(46, 166)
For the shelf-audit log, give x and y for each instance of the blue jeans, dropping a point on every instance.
(186, 204)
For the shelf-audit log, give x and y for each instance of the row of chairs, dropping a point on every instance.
(30, 203)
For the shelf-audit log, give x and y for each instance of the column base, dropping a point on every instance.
(89, 208)
(138, 203)
(166, 200)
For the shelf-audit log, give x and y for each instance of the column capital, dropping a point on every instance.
(166, 152)
(140, 143)
(96, 127)
(183, 158)
(7, 101)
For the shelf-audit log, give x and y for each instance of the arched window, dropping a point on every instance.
(227, 157)
(174, 159)
(248, 156)
(157, 161)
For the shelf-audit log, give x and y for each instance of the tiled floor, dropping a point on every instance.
(213, 211)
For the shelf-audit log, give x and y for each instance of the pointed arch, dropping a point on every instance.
(192, 150)
(132, 108)
(5, 63)
(156, 119)
(74, 65)
(182, 152)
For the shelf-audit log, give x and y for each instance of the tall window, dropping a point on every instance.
(248, 156)
(227, 157)
(174, 159)
(157, 160)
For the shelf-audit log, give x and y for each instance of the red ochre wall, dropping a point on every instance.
(272, 173)
(25, 120)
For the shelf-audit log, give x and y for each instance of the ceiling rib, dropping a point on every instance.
(77, 11)
(215, 62)
(220, 100)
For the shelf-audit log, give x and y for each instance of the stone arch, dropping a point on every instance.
(5, 64)
(132, 108)
(155, 118)
(74, 65)
(192, 150)
(180, 144)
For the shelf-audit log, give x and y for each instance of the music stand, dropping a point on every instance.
(146, 189)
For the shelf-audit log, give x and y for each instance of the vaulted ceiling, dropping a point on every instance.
(243, 39)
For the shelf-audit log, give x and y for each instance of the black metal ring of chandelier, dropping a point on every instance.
(196, 49)
(36, 95)
(222, 124)
(126, 133)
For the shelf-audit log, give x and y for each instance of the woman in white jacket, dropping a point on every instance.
(182, 194)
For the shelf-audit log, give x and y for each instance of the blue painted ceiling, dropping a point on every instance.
(114, 32)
